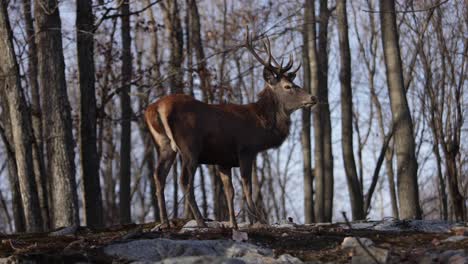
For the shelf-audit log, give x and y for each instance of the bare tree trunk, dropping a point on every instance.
(189, 55)
(57, 119)
(16, 202)
(156, 75)
(174, 30)
(222, 64)
(197, 45)
(355, 191)
(450, 133)
(408, 192)
(309, 44)
(432, 119)
(324, 111)
(220, 209)
(88, 151)
(5, 209)
(38, 148)
(125, 137)
(257, 192)
(112, 213)
(203, 190)
(21, 127)
(319, 202)
(175, 190)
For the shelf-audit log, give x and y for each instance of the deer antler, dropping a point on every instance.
(277, 68)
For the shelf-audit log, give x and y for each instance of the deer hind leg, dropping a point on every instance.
(246, 178)
(166, 156)
(229, 192)
(163, 115)
(186, 182)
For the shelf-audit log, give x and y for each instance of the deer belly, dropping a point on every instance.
(215, 155)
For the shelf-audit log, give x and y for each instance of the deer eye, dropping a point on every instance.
(287, 87)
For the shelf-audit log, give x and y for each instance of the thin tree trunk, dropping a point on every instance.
(222, 64)
(16, 202)
(433, 125)
(125, 137)
(309, 213)
(21, 126)
(156, 71)
(36, 116)
(450, 132)
(175, 190)
(319, 202)
(109, 182)
(324, 111)
(203, 190)
(408, 192)
(355, 191)
(6, 211)
(220, 209)
(88, 151)
(197, 45)
(174, 30)
(156, 75)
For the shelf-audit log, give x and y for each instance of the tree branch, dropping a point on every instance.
(408, 11)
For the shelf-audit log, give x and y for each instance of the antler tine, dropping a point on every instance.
(277, 65)
(289, 65)
(249, 45)
(294, 72)
(266, 46)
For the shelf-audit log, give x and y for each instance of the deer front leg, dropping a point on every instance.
(246, 162)
(229, 192)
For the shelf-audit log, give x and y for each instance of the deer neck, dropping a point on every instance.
(272, 114)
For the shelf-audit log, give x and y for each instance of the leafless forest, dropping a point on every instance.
(387, 138)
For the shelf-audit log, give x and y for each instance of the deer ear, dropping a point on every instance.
(269, 76)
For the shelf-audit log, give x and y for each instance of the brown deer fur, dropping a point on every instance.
(227, 135)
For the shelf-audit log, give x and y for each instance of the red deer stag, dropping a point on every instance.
(227, 135)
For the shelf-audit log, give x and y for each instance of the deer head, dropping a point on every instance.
(290, 96)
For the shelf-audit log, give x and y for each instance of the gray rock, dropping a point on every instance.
(458, 259)
(194, 251)
(454, 239)
(9, 260)
(352, 242)
(70, 230)
(239, 236)
(454, 255)
(363, 255)
(195, 260)
(429, 226)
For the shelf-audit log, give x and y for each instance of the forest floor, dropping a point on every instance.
(400, 242)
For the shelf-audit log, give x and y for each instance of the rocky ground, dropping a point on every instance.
(370, 242)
